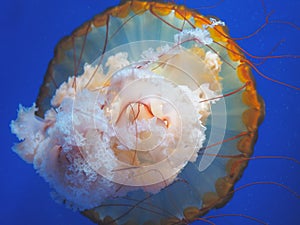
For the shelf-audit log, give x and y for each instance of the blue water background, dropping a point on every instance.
(29, 32)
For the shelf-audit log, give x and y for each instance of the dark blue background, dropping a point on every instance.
(29, 32)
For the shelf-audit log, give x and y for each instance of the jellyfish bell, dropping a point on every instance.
(138, 106)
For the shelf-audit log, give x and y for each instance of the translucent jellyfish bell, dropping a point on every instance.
(146, 116)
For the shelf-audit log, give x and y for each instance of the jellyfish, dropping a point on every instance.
(148, 114)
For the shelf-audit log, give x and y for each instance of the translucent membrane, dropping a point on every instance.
(144, 116)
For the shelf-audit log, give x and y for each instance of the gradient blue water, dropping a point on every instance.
(29, 31)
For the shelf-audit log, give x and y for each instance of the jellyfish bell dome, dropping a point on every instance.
(136, 108)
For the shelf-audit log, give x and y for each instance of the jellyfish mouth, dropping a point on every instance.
(133, 124)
